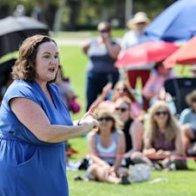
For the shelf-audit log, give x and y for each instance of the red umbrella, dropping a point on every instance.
(185, 55)
(149, 52)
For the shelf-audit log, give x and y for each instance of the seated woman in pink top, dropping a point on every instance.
(154, 88)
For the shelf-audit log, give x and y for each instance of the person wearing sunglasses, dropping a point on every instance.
(123, 89)
(106, 149)
(162, 138)
(133, 131)
(188, 122)
(102, 53)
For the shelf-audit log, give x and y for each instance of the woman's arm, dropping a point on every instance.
(92, 150)
(136, 131)
(34, 118)
(148, 149)
(120, 151)
(85, 47)
(113, 49)
(178, 144)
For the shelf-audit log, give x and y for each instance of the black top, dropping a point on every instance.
(128, 139)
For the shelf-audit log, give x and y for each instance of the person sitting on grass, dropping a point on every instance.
(106, 149)
(133, 130)
(188, 122)
(162, 138)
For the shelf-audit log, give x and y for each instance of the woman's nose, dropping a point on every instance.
(54, 61)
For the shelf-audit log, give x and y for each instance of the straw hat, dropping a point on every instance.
(139, 17)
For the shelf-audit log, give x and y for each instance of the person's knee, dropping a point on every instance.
(136, 155)
(187, 131)
(93, 170)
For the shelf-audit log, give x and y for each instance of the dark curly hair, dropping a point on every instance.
(24, 67)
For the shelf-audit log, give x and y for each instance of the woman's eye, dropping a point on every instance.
(46, 56)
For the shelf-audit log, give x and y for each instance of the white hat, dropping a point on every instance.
(139, 17)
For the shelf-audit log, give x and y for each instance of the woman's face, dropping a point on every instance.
(123, 110)
(120, 90)
(162, 70)
(105, 122)
(161, 116)
(47, 61)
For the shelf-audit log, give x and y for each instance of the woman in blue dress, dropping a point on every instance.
(34, 123)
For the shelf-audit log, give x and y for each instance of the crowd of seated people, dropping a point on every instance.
(151, 131)
(121, 141)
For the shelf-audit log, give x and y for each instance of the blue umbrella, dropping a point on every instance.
(176, 23)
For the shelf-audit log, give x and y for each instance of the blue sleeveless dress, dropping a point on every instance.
(28, 166)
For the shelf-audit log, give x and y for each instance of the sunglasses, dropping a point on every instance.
(141, 23)
(122, 89)
(104, 30)
(106, 118)
(164, 113)
(121, 109)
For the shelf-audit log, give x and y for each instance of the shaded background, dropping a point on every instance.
(75, 15)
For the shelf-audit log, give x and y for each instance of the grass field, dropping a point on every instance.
(173, 183)
(178, 183)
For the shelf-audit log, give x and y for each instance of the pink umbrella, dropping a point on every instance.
(149, 52)
(185, 55)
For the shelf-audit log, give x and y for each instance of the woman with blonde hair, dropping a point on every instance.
(162, 138)
(106, 149)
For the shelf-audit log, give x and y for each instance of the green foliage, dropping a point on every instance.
(152, 8)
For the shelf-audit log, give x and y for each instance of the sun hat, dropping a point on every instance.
(139, 17)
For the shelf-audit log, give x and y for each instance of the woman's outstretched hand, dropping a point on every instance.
(88, 121)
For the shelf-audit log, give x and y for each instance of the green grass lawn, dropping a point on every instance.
(179, 183)
(175, 183)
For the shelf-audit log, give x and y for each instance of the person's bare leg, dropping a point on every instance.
(187, 136)
(103, 174)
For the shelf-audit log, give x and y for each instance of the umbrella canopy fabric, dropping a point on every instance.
(15, 29)
(176, 23)
(184, 55)
(148, 52)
